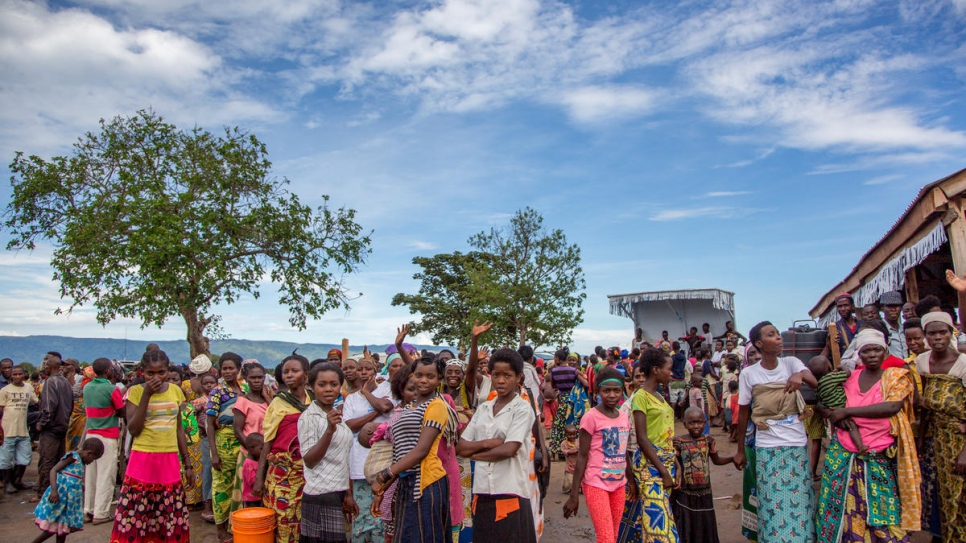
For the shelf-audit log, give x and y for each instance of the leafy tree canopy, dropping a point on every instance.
(524, 279)
(152, 222)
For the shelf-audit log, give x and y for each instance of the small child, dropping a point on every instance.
(61, 510)
(692, 503)
(253, 443)
(569, 450)
(831, 394)
(733, 406)
(601, 470)
(728, 376)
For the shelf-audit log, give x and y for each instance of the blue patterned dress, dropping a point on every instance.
(67, 515)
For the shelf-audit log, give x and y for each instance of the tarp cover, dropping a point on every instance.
(675, 310)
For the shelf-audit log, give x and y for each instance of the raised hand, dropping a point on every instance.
(480, 329)
(401, 333)
(484, 353)
(958, 283)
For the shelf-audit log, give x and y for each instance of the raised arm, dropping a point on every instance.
(472, 377)
(401, 334)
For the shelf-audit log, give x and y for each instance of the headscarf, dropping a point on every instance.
(249, 362)
(88, 375)
(200, 365)
(406, 347)
(456, 362)
(385, 369)
(869, 336)
(937, 316)
(335, 352)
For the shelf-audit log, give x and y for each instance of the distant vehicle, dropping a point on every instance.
(128, 365)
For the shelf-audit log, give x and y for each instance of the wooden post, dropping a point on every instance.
(912, 286)
(345, 349)
(956, 232)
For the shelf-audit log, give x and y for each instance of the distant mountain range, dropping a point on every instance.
(32, 349)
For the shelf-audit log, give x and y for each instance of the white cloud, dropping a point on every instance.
(423, 245)
(598, 103)
(724, 193)
(883, 179)
(64, 69)
(710, 212)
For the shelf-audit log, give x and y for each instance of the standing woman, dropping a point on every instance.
(280, 470)
(654, 464)
(573, 401)
(248, 414)
(872, 496)
(198, 452)
(943, 447)
(151, 506)
(768, 394)
(222, 441)
(630, 526)
(422, 494)
(78, 415)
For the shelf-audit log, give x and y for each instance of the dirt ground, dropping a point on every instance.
(16, 515)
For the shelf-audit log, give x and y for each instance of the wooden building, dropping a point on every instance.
(913, 256)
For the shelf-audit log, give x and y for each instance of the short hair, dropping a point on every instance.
(298, 358)
(398, 382)
(430, 360)
(254, 439)
(507, 356)
(872, 304)
(154, 357)
(202, 378)
(247, 368)
(15, 368)
(315, 362)
(562, 354)
(754, 335)
(55, 353)
(230, 357)
(914, 322)
(93, 445)
(732, 385)
(6, 360)
(326, 366)
(693, 410)
(676, 345)
(926, 304)
(101, 366)
(526, 352)
(175, 369)
(570, 427)
(607, 373)
(651, 359)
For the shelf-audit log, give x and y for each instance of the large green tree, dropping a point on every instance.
(151, 222)
(524, 279)
(443, 299)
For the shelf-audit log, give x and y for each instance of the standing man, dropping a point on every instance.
(6, 368)
(15, 451)
(56, 403)
(708, 336)
(847, 324)
(102, 401)
(891, 303)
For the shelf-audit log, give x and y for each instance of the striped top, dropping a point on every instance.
(160, 433)
(563, 378)
(101, 401)
(831, 390)
(405, 434)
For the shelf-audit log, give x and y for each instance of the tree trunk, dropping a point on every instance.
(523, 334)
(197, 341)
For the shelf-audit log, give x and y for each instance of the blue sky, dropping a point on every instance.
(758, 147)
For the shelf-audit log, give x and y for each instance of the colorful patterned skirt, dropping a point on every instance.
(67, 515)
(629, 530)
(193, 494)
(365, 528)
(859, 500)
(223, 480)
(151, 507)
(283, 494)
(785, 504)
(944, 403)
(657, 519)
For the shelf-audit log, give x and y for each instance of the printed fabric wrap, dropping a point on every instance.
(283, 494)
(898, 386)
(859, 493)
(944, 405)
(657, 519)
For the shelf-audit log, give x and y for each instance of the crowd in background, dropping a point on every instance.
(415, 446)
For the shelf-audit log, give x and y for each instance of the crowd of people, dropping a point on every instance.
(411, 446)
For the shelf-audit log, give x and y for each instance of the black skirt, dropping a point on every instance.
(497, 519)
(323, 520)
(694, 515)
